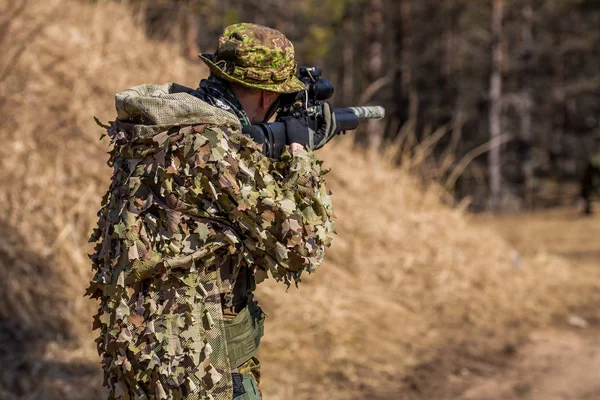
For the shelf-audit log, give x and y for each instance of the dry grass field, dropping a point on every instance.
(415, 300)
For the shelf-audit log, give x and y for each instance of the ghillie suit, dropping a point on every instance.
(195, 216)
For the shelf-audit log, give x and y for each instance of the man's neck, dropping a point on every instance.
(216, 92)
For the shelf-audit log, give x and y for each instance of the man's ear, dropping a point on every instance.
(267, 99)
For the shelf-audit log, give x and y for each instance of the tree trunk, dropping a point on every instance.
(374, 31)
(527, 105)
(348, 55)
(190, 35)
(560, 125)
(496, 106)
(402, 69)
(452, 69)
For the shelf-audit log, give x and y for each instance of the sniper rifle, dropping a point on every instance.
(308, 105)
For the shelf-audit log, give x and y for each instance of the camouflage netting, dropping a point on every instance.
(192, 201)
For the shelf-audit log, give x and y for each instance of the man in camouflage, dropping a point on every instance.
(195, 217)
(590, 184)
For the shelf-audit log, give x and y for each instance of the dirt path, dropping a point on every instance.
(562, 363)
(556, 365)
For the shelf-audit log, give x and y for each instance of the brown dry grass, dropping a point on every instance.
(408, 283)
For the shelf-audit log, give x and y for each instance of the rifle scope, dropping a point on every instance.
(319, 89)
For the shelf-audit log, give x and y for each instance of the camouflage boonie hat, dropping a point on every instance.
(256, 57)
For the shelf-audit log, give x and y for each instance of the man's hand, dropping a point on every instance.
(296, 132)
(296, 146)
(327, 128)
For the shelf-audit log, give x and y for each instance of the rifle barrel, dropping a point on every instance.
(348, 118)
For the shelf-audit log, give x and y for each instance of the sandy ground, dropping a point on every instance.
(559, 363)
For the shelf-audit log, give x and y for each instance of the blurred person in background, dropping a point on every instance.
(196, 216)
(590, 184)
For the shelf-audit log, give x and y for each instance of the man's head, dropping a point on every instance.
(259, 64)
(256, 103)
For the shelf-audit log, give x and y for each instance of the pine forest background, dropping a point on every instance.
(502, 95)
(416, 299)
